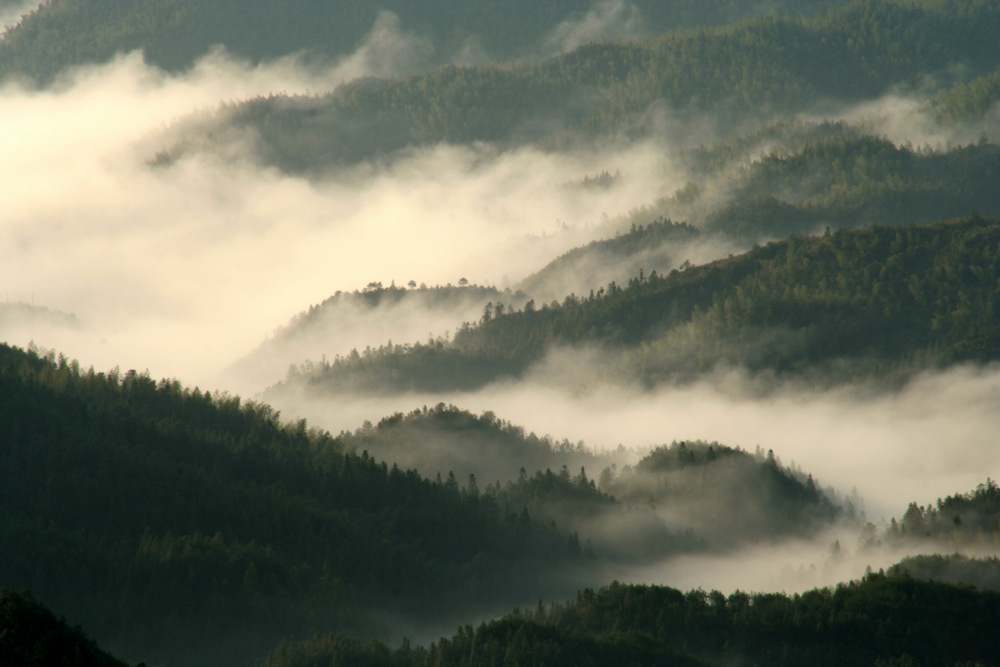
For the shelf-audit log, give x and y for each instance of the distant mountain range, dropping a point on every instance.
(606, 93)
(173, 34)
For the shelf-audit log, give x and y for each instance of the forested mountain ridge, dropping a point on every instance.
(653, 243)
(969, 101)
(886, 299)
(880, 620)
(14, 314)
(854, 181)
(809, 177)
(351, 320)
(229, 522)
(231, 529)
(174, 33)
(743, 73)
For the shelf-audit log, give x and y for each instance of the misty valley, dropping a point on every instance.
(412, 334)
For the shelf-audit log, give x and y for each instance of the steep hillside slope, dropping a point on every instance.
(855, 303)
(187, 528)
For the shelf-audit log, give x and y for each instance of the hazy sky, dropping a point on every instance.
(183, 270)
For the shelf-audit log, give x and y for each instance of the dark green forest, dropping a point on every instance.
(168, 524)
(969, 101)
(32, 636)
(172, 34)
(880, 620)
(182, 526)
(190, 527)
(814, 177)
(853, 181)
(742, 74)
(954, 522)
(878, 302)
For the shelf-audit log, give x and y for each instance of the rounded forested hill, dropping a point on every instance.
(443, 439)
(175, 33)
(726, 495)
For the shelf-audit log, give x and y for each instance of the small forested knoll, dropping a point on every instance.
(30, 634)
(742, 73)
(870, 303)
(960, 521)
(954, 568)
(444, 439)
(376, 296)
(174, 33)
(881, 620)
(184, 527)
(352, 320)
(18, 314)
(724, 495)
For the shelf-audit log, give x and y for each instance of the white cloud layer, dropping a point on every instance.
(183, 270)
(935, 438)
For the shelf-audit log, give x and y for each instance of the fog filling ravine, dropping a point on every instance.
(894, 449)
(213, 255)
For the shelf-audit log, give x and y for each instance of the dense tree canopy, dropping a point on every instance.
(177, 521)
(741, 73)
(32, 636)
(174, 33)
(882, 620)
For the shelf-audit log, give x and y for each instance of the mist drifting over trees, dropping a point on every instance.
(408, 333)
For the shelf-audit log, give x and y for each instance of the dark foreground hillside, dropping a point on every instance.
(882, 620)
(31, 635)
(186, 528)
